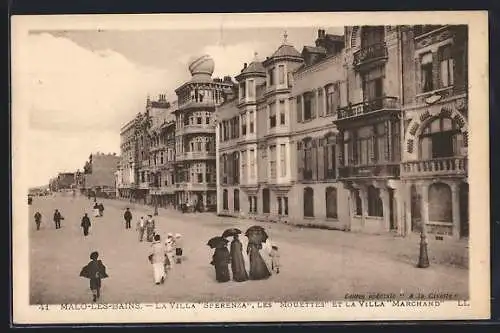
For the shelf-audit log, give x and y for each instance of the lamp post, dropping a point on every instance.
(423, 259)
(156, 205)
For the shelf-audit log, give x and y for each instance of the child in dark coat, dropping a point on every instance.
(95, 271)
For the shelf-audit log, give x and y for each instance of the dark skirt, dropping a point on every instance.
(95, 284)
(178, 251)
(258, 268)
(222, 273)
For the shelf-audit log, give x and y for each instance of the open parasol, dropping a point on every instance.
(217, 242)
(231, 232)
(256, 234)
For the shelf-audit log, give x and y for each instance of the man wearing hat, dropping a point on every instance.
(128, 217)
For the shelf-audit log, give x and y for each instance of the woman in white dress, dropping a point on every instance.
(157, 259)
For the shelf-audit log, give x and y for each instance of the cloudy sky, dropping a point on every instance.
(85, 84)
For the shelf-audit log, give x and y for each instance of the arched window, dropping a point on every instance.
(374, 202)
(331, 202)
(225, 204)
(236, 200)
(440, 203)
(308, 202)
(440, 138)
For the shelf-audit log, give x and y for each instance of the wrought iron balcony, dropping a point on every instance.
(388, 170)
(452, 166)
(359, 109)
(370, 54)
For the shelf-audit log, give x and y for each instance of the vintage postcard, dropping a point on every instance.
(250, 167)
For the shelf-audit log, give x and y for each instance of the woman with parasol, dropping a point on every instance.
(258, 269)
(220, 259)
(236, 253)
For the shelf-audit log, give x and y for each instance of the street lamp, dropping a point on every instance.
(423, 259)
(156, 205)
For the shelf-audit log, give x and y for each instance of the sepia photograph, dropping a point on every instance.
(250, 167)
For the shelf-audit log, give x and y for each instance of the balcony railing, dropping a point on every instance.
(370, 53)
(436, 167)
(198, 155)
(193, 129)
(359, 109)
(375, 170)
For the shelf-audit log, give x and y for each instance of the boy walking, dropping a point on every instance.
(95, 271)
(128, 217)
(275, 259)
(38, 220)
(85, 224)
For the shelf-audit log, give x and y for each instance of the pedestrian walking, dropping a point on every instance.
(178, 248)
(85, 224)
(237, 262)
(150, 228)
(101, 209)
(170, 247)
(96, 210)
(275, 259)
(141, 226)
(157, 259)
(128, 217)
(57, 219)
(38, 220)
(221, 260)
(95, 271)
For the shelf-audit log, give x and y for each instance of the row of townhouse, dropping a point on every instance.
(168, 152)
(366, 131)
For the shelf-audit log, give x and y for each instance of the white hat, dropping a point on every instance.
(170, 235)
(177, 235)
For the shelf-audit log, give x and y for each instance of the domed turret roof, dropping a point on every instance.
(203, 65)
(286, 50)
(254, 67)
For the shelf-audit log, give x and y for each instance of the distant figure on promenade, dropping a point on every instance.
(88, 195)
(170, 249)
(157, 259)
(95, 271)
(57, 219)
(178, 248)
(150, 228)
(96, 210)
(128, 217)
(275, 259)
(38, 220)
(101, 209)
(141, 226)
(85, 224)
(237, 262)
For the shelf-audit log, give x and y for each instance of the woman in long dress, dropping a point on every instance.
(237, 263)
(221, 260)
(157, 258)
(258, 268)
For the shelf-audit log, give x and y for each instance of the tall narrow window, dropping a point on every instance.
(330, 160)
(282, 112)
(225, 204)
(243, 162)
(252, 163)
(251, 88)
(272, 161)
(331, 202)
(332, 98)
(321, 98)
(243, 90)
(426, 72)
(251, 122)
(309, 112)
(446, 67)
(236, 200)
(244, 124)
(270, 75)
(281, 74)
(282, 160)
(299, 109)
(308, 202)
(272, 115)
